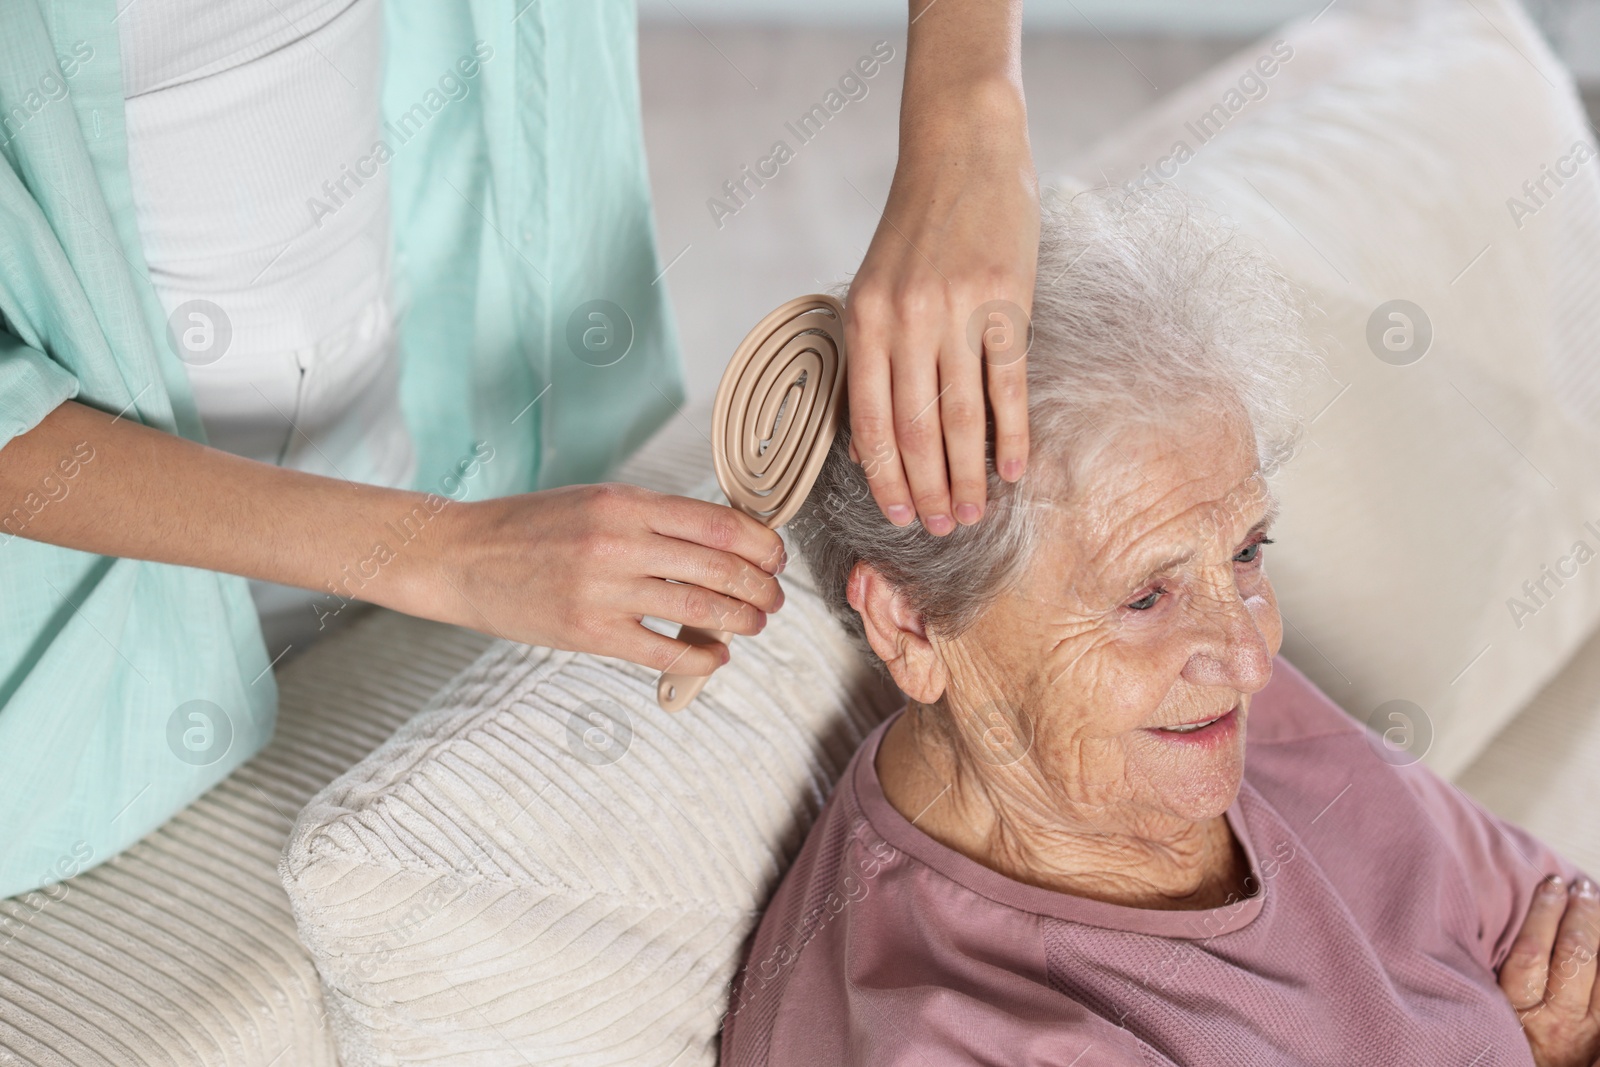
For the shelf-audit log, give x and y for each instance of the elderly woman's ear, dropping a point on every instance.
(896, 633)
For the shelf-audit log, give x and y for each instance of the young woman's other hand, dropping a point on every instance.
(578, 567)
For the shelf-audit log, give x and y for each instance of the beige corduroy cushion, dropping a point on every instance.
(181, 951)
(547, 868)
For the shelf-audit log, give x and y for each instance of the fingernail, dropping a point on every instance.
(899, 514)
(1011, 469)
(939, 525)
(1552, 885)
(967, 514)
(1586, 888)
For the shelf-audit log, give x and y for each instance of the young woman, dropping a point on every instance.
(352, 298)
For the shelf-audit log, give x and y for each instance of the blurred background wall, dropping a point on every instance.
(724, 80)
(1120, 16)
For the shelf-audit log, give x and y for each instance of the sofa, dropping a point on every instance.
(458, 850)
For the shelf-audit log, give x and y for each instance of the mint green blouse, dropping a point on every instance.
(531, 323)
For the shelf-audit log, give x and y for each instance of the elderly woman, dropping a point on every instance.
(1111, 827)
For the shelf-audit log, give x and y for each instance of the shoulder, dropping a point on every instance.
(870, 955)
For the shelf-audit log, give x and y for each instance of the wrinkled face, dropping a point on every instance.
(1146, 607)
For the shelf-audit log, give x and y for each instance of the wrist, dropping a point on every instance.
(414, 561)
(956, 114)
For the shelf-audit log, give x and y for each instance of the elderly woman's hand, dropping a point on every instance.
(959, 237)
(1549, 977)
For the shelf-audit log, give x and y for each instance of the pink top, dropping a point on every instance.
(1385, 901)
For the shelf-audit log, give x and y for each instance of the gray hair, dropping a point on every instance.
(1145, 307)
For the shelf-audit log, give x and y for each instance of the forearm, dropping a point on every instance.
(959, 236)
(575, 567)
(85, 480)
(963, 73)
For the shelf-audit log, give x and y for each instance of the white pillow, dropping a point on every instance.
(1377, 162)
(546, 868)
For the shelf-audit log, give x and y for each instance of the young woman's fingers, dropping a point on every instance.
(1008, 397)
(650, 649)
(714, 571)
(961, 415)
(1524, 974)
(872, 439)
(717, 527)
(690, 605)
(919, 431)
(1572, 964)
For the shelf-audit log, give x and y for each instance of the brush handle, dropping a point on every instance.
(674, 691)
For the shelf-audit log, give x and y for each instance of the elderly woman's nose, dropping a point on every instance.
(1230, 648)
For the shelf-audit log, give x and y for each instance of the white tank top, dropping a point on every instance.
(246, 120)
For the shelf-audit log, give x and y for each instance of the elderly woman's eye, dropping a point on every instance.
(1145, 603)
(1252, 552)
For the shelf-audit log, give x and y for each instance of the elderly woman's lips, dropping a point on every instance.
(1204, 730)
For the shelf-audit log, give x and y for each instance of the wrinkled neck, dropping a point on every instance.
(1009, 818)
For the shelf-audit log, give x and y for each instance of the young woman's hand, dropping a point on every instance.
(941, 302)
(1549, 977)
(577, 567)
